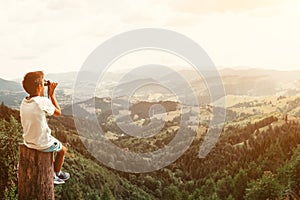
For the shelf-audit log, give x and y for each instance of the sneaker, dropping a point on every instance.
(63, 175)
(58, 181)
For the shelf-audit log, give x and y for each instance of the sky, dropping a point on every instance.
(58, 35)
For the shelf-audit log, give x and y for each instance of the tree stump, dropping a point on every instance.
(35, 174)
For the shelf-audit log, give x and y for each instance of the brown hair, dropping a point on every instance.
(32, 80)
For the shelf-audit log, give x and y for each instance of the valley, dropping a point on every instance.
(256, 156)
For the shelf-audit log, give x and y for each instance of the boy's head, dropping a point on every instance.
(33, 83)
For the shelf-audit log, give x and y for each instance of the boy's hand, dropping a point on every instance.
(51, 88)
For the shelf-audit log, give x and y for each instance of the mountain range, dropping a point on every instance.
(153, 86)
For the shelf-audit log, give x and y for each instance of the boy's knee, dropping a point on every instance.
(63, 150)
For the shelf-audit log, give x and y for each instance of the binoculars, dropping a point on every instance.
(46, 82)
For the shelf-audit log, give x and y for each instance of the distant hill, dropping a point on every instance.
(6, 85)
(239, 82)
(11, 93)
(84, 108)
(280, 75)
(261, 82)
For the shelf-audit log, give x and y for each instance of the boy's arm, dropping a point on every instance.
(51, 95)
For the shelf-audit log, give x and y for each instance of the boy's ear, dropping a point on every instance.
(39, 89)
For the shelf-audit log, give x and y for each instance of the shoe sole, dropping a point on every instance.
(64, 179)
(59, 183)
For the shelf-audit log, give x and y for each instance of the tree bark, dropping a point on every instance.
(35, 174)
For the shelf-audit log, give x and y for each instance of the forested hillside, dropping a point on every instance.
(259, 160)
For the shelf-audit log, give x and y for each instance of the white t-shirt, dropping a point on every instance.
(36, 132)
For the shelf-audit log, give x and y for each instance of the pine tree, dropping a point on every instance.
(107, 194)
(224, 187)
(10, 137)
(240, 184)
(171, 192)
(267, 187)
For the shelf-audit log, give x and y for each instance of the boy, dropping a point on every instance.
(36, 132)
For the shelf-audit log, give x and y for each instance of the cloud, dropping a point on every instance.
(62, 33)
(66, 4)
(24, 57)
(205, 7)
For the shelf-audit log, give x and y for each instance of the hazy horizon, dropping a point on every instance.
(3, 76)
